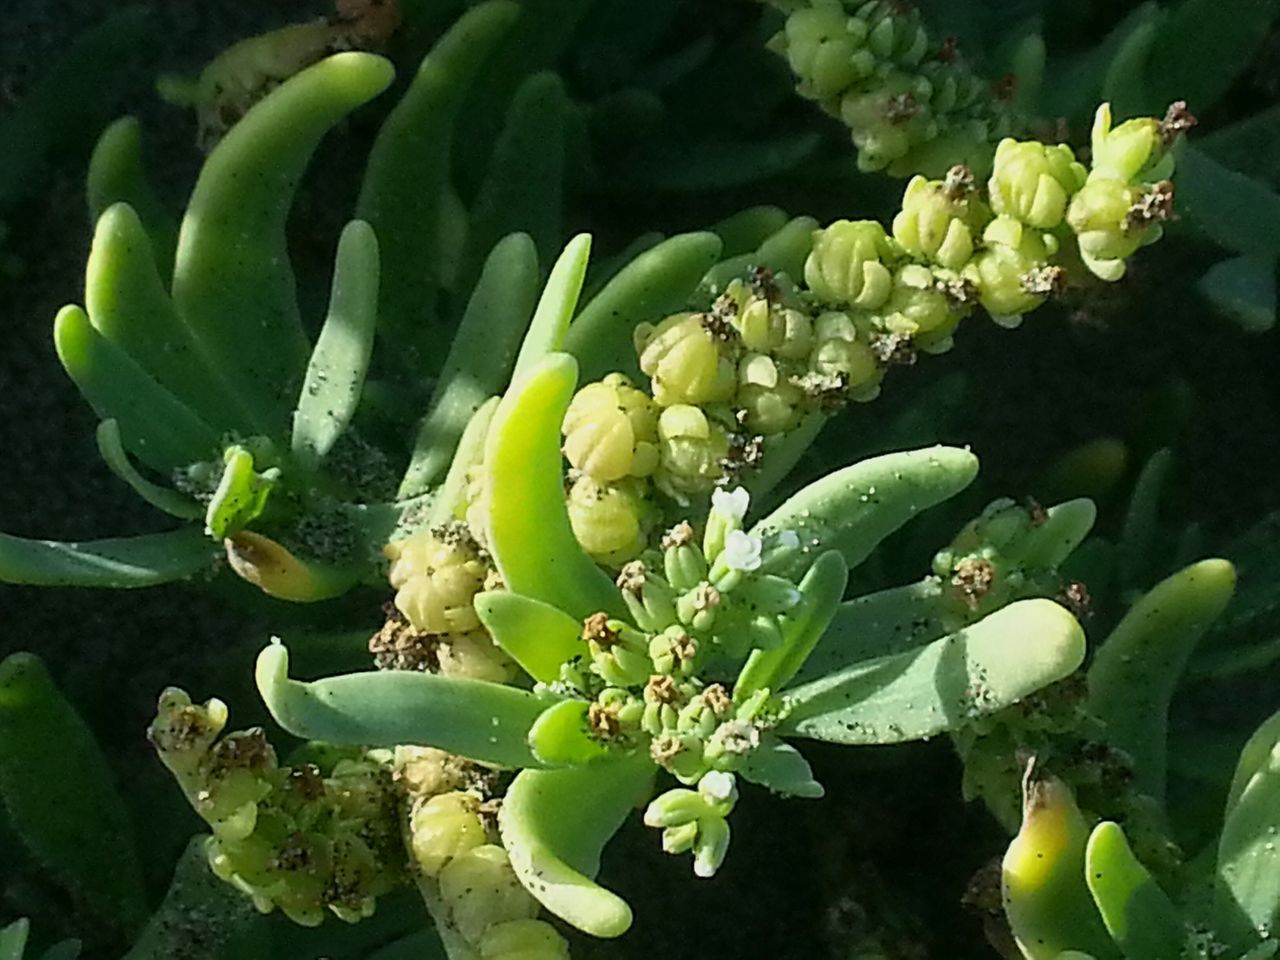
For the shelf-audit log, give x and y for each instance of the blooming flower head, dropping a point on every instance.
(742, 551)
(731, 503)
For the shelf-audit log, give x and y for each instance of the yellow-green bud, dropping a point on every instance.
(687, 361)
(610, 520)
(896, 33)
(693, 449)
(887, 119)
(826, 50)
(1100, 216)
(842, 353)
(444, 827)
(940, 218)
(437, 574)
(1006, 273)
(845, 268)
(916, 307)
(480, 890)
(523, 940)
(611, 430)
(1033, 182)
(768, 401)
(1122, 152)
(474, 654)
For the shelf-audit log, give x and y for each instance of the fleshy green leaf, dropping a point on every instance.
(914, 695)
(1236, 211)
(485, 722)
(555, 823)
(13, 940)
(1137, 668)
(1243, 289)
(232, 282)
(854, 509)
(1250, 146)
(657, 282)
(537, 635)
(780, 767)
(530, 537)
(335, 375)
(111, 448)
(1142, 519)
(154, 424)
(119, 563)
(744, 231)
(58, 793)
(821, 591)
(1137, 913)
(407, 175)
(561, 738)
(556, 306)
(116, 175)
(480, 359)
(241, 495)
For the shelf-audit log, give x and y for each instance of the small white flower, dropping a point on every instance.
(717, 786)
(742, 551)
(789, 539)
(731, 503)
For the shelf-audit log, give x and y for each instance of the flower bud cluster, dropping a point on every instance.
(307, 838)
(988, 564)
(1127, 196)
(911, 105)
(433, 625)
(696, 606)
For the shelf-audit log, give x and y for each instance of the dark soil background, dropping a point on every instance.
(892, 846)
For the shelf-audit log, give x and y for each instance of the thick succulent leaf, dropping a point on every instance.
(154, 424)
(127, 300)
(1247, 900)
(555, 824)
(1202, 46)
(744, 231)
(657, 282)
(124, 562)
(202, 918)
(1046, 899)
(821, 591)
(485, 722)
(1236, 211)
(59, 797)
(780, 767)
(555, 307)
(408, 173)
(232, 282)
(1142, 519)
(917, 694)
(524, 183)
(334, 380)
(1134, 674)
(13, 939)
(1250, 146)
(536, 635)
(1243, 289)
(116, 175)
(1141, 919)
(480, 359)
(878, 624)
(1064, 528)
(111, 449)
(530, 536)
(450, 499)
(854, 509)
(562, 738)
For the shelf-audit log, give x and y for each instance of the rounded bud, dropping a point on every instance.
(1002, 272)
(844, 268)
(610, 520)
(1032, 182)
(444, 827)
(687, 360)
(939, 220)
(437, 574)
(480, 890)
(1100, 216)
(611, 430)
(693, 448)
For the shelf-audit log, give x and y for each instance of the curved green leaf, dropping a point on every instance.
(480, 359)
(408, 172)
(111, 448)
(58, 793)
(854, 509)
(1137, 913)
(154, 424)
(232, 282)
(821, 591)
(914, 695)
(485, 722)
(1134, 674)
(562, 738)
(1243, 289)
(1237, 212)
(530, 537)
(334, 380)
(555, 823)
(744, 231)
(1064, 528)
(537, 636)
(556, 306)
(116, 175)
(117, 563)
(657, 282)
